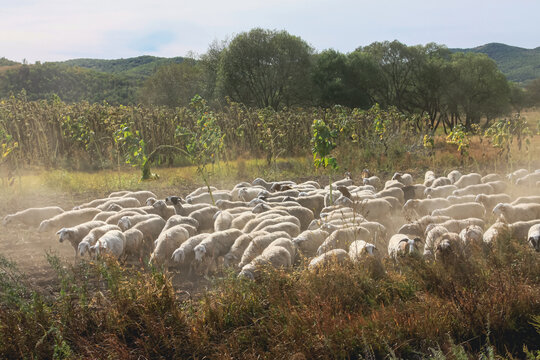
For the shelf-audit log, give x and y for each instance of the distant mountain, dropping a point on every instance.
(518, 64)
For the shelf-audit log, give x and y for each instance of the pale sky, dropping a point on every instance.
(54, 30)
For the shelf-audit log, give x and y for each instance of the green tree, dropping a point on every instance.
(323, 141)
(533, 92)
(173, 85)
(266, 68)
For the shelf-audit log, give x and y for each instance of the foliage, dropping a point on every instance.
(460, 137)
(135, 149)
(503, 132)
(204, 142)
(323, 142)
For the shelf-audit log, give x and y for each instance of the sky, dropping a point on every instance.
(55, 30)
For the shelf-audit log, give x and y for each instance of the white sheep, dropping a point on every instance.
(533, 199)
(240, 221)
(68, 219)
(520, 212)
(276, 220)
(472, 234)
(258, 244)
(134, 243)
(205, 198)
(498, 186)
(181, 220)
(418, 227)
(113, 219)
(151, 229)
(126, 202)
(287, 244)
(462, 211)
(288, 227)
(461, 199)
(494, 231)
(112, 242)
(512, 177)
(528, 180)
(457, 225)
(94, 203)
(32, 216)
(342, 239)
(491, 177)
(314, 202)
(490, 201)
(474, 190)
(336, 256)
(233, 257)
(104, 215)
(468, 179)
(390, 184)
(429, 177)
(142, 196)
(533, 237)
(167, 242)
(183, 209)
(433, 234)
(394, 192)
(374, 181)
(205, 217)
(226, 204)
(441, 181)
(184, 256)
(401, 244)
(375, 209)
(161, 208)
(405, 179)
(222, 220)
(92, 237)
(127, 222)
(454, 176)
(359, 249)
(118, 193)
(442, 191)
(275, 256)
(202, 190)
(309, 241)
(215, 245)
(422, 207)
(447, 247)
(416, 191)
(520, 229)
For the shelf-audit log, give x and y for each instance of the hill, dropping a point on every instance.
(138, 67)
(518, 64)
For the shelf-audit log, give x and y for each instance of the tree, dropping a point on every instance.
(533, 92)
(173, 85)
(266, 68)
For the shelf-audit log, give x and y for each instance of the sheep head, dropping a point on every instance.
(500, 210)
(44, 226)
(83, 248)
(65, 234)
(179, 256)
(124, 223)
(6, 220)
(200, 251)
(150, 201)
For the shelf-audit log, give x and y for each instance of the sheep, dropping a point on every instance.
(400, 244)
(416, 191)
(494, 231)
(528, 180)
(431, 235)
(134, 243)
(520, 229)
(374, 181)
(104, 215)
(94, 203)
(205, 217)
(418, 227)
(337, 256)
(288, 227)
(68, 219)
(206, 198)
(342, 238)
(462, 211)
(520, 212)
(247, 194)
(123, 202)
(422, 207)
(185, 255)
(113, 219)
(233, 257)
(32, 216)
(166, 243)
(441, 181)
(457, 225)
(202, 190)
(127, 222)
(526, 200)
(161, 208)
(360, 248)
(276, 256)
(461, 199)
(142, 196)
(472, 234)
(92, 237)
(474, 190)
(375, 209)
(489, 201)
(226, 204)
(448, 247)
(533, 237)
(304, 215)
(309, 241)
(151, 229)
(276, 220)
(405, 179)
(181, 220)
(150, 201)
(222, 220)
(429, 177)
(468, 179)
(215, 245)
(183, 209)
(390, 184)
(442, 191)
(258, 244)
(512, 177)
(454, 176)
(315, 203)
(253, 223)
(287, 244)
(111, 242)
(491, 178)
(118, 193)
(240, 221)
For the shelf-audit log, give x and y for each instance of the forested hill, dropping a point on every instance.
(138, 67)
(518, 64)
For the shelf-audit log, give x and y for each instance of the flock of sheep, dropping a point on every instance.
(284, 223)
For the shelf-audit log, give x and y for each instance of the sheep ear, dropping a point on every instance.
(61, 231)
